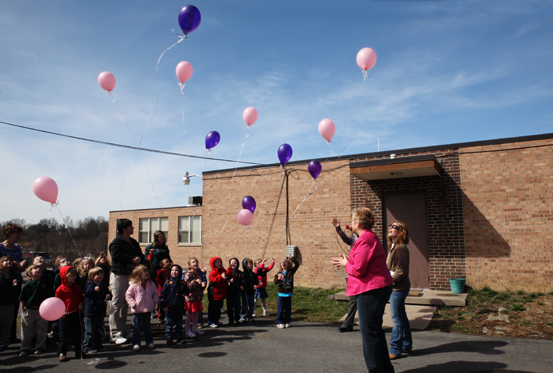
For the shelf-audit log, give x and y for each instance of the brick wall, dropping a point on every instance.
(310, 217)
(179, 252)
(508, 209)
(443, 212)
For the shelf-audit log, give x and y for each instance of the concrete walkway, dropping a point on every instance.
(419, 316)
(305, 347)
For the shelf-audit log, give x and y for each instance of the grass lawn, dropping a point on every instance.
(307, 304)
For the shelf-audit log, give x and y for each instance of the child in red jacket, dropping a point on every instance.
(218, 282)
(70, 324)
(162, 275)
(261, 289)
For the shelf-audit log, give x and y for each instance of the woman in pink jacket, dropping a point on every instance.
(370, 280)
(142, 296)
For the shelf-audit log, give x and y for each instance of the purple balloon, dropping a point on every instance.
(314, 169)
(189, 18)
(248, 203)
(284, 153)
(212, 139)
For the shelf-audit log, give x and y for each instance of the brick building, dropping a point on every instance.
(479, 210)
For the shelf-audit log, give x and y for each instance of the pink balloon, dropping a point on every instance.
(245, 217)
(327, 129)
(52, 309)
(46, 189)
(106, 81)
(250, 116)
(184, 71)
(366, 58)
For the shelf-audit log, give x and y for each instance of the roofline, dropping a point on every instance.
(459, 145)
(157, 208)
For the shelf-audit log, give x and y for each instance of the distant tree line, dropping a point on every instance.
(52, 237)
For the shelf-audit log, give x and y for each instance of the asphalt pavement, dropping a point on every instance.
(304, 347)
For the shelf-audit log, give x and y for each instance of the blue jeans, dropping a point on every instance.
(370, 309)
(248, 305)
(284, 310)
(174, 318)
(141, 323)
(401, 340)
(94, 332)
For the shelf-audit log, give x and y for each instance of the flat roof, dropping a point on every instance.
(506, 140)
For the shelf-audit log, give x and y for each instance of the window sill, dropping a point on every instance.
(189, 245)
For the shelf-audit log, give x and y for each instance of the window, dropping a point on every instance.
(148, 226)
(190, 229)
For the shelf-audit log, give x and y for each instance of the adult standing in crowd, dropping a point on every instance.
(398, 264)
(9, 247)
(125, 255)
(347, 325)
(370, 280)
(158, 250)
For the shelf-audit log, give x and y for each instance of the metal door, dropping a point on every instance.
(410, 208)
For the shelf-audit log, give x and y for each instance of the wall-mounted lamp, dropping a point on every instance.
(186, 178)
(396, 173)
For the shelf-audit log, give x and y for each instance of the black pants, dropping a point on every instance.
(352, 310)
(71, 328)
(233, 308)
(214, 311)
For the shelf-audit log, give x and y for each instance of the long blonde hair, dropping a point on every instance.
(135, 275)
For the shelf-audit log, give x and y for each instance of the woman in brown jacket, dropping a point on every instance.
(398, 264)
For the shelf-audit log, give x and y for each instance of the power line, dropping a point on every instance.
(128, 146)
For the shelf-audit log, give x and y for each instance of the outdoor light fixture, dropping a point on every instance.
(396, 173)
(186, 178)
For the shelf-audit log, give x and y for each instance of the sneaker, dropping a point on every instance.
(253, 314)
(120, 341)
(152, 345)
(219, 323)
(197, 332)
(251, 319)
(265, 313)
(213, 325)
(102, 348)
(136, 347)
(92, 351)
(39, 351)
(24, 353)
(169, 341)
(63, 357)
(286, 325)
(280, 326)
(189, 334)
(222, 310)
(179, 340)
(161, 319)
(242, 319)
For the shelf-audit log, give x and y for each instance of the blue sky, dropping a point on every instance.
(447, 72)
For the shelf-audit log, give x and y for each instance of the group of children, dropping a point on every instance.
(84, 289)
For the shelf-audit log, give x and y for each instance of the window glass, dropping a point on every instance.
(196, 229)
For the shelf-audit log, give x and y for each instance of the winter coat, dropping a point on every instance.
(72, 295)
(216, 278)
(172, 294)
(122, 252)
(398, 264)
(35, 292)
(233, 288)
(8, 292)
(250, 279)
(286, 286)
(195, 290)
(142, 300)
(158, 254)
(95, 302)
(261, 273)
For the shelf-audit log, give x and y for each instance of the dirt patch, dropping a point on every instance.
(499, 314)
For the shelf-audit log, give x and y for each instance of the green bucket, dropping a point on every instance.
(457, 285)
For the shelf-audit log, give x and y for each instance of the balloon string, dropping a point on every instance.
(157, 88)
(181, 88)
(125, 121)
(232, 178)
(307, 195)
(183, 129)
(69, 230)
(364, 87)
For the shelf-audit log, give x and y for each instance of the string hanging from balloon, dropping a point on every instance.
(314, 169)
(366, 59)
(250, 116)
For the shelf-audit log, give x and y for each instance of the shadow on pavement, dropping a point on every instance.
(465, 366)
(483, 347)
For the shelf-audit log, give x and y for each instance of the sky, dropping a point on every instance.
(447, 72)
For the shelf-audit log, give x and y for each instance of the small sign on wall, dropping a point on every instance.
(291, 251)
